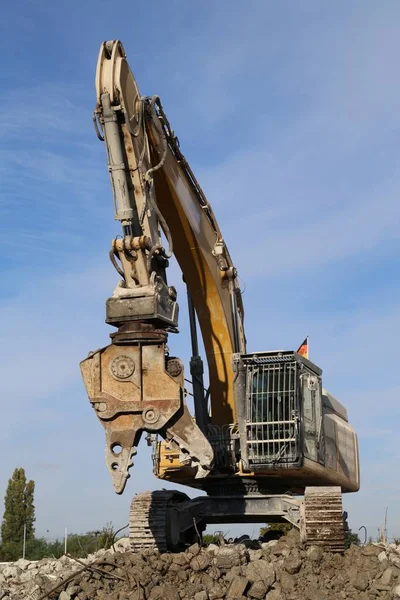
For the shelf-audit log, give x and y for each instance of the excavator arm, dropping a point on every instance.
(133, 384)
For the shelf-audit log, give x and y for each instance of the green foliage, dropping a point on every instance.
(82, 545)
(10, 551)
(55, 548)
(19, 509)
(78, 546)
(36, 549)
(106, 537)
(351, 538)
(211, 538)
(284, 528)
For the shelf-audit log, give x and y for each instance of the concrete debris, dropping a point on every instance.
(278, 570)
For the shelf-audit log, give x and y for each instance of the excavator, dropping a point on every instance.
(267, 442)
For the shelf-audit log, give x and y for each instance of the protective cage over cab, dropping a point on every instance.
(291, 422)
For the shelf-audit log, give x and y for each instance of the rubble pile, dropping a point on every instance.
(280, 569)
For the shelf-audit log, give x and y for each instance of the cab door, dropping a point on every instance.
(312, 413)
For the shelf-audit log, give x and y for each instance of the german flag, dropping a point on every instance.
(303, 349)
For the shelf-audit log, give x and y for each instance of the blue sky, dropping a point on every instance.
(289, 115)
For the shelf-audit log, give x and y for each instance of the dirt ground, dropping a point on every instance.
(275, 570)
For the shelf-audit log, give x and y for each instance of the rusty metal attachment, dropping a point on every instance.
(134, 388)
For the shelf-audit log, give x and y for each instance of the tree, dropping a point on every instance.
(19, 509)
(351, 538)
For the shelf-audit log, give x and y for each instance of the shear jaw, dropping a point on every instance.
(196, 450)
(132, 391)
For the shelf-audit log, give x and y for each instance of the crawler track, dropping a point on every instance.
(323, 516)
(148, 520)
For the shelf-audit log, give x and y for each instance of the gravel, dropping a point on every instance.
(283, 570)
